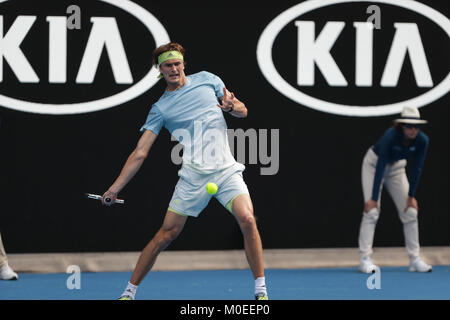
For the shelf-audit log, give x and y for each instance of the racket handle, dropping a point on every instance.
(108, 200)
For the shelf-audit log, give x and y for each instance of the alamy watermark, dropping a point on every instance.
(208, 147)
(374, 281)
(375, 17)
(74, 20)
(74, 280)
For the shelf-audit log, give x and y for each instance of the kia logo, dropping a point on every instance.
(314, 49)
(105, 37)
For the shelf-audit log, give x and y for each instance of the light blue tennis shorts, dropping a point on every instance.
(190, 196)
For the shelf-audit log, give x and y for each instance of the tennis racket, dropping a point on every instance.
(99, 197)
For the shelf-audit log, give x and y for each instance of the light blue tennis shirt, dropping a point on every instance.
(192, 117)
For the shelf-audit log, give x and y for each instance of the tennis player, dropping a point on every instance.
(191, 109)
(384, 164)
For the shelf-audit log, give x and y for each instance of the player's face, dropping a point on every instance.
(173, 71)
(410, 131)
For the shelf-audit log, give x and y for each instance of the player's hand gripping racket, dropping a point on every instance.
(107, 200)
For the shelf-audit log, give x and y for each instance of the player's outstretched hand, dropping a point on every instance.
(227, 101)
(109, 198)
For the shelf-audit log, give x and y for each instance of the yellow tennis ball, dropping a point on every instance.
(211, 188)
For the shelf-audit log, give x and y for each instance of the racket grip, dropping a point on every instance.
(108, 200)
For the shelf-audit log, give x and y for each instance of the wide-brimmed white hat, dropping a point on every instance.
(410, 115)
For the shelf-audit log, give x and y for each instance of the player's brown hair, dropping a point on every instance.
(166, 47)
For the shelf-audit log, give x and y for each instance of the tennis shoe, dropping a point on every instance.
(125, 297)
(261, 296)
(366, 265)
(6, 273)
(418, 265)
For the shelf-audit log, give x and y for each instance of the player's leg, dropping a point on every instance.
(398, 186)
(369, 219)
(242, 209)
(189, 199)
(170, 229)
(233, 194)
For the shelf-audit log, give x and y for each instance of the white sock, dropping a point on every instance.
(130, 290)
(260, 285)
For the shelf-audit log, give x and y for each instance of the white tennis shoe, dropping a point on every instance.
(6, 273)
(366, 265)
(418, 265)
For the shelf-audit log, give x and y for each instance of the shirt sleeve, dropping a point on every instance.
(154, 122)
(218, 86)
(384, 145)
(416, 169)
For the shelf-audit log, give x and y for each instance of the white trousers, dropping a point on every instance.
(397, 185)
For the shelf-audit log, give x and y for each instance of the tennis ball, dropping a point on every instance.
(211, 188)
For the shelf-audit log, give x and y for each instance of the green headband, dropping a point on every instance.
(169, 55)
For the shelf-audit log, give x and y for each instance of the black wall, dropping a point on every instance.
(315, 200)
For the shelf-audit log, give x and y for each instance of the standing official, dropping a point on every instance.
(384, 165)
(6, 273)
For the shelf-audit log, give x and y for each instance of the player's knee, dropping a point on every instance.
(409, 215)
(172, 234)
(168, 235)
(372, 215)
(247, 222)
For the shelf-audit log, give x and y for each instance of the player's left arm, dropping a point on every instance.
(232, 105)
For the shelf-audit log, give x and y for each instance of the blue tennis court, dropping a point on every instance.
(395, 283)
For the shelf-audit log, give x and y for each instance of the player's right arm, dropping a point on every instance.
(131, 166)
